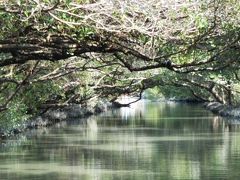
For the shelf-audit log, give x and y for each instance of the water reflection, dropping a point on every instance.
(147, 141)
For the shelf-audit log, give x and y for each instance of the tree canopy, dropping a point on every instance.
(58, 52)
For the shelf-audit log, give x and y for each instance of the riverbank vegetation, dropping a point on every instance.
(54, 53)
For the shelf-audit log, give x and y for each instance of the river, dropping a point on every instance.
(149, 141)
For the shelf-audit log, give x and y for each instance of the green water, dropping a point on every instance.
(149, 141)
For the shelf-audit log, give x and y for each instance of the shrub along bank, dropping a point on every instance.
(55, 115)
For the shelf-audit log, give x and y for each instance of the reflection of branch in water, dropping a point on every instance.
(91, 129)
(215, 123)
(228, 127)
(92, 124)
(228, 124)
(231, 124)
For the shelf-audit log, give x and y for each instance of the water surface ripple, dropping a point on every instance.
(148, 141)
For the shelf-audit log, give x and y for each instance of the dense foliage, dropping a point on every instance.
(54, 53)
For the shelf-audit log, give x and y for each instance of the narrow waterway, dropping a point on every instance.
(149, 141)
